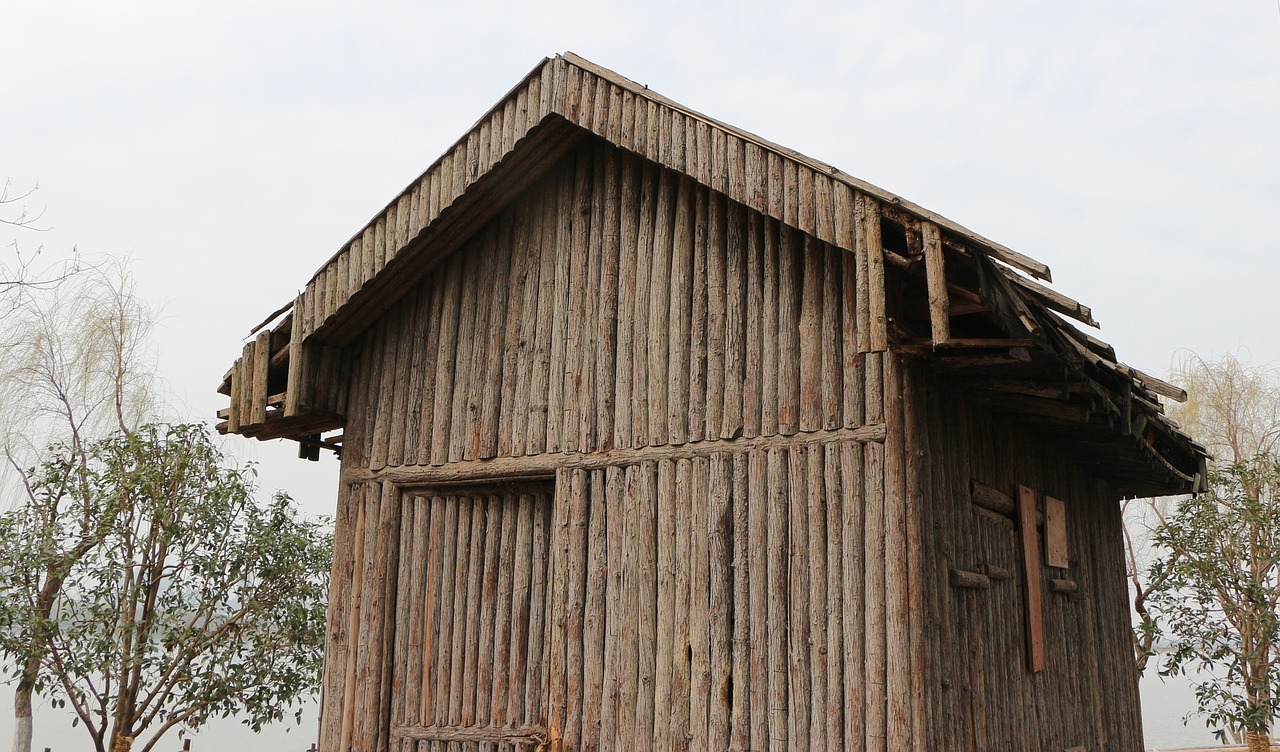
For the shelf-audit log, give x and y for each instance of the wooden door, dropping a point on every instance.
(470, 646)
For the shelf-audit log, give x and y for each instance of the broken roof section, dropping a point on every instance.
(970, 306)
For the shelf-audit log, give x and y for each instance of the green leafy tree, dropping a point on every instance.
(149, 591)
(1216, 593)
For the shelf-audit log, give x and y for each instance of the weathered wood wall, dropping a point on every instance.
(547, 333)
(749, 515)
(981, 694)
(725, 566)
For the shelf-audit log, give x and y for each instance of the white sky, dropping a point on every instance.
(230, 148)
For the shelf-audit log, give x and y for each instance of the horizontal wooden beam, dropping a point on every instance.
(969, 580)
(537, 735)
(546, 465)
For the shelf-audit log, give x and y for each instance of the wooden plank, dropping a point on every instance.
(1057, 553)
(563, 256)
(936, 281)
(699, 345)
(261, 370)
(1031, 578)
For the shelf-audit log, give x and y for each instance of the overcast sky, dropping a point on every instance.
(230, 148)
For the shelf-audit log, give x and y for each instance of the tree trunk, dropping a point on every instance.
(22, 720)
(121, 743)
(1257, 742)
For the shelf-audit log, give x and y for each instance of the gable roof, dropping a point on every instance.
(1082, 387)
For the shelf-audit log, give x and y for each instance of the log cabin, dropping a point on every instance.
(657, 435)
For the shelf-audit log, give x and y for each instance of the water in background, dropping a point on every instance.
(1164, 703)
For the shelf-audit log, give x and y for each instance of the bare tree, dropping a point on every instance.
(22, 273)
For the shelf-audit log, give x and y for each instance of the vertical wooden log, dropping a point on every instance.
(758, 542)
(616, 590)
(916, 472)
(720, 597)
(233, 417)
(522, 322)
(769, 351)
(499, 698)
(468, 407)
(537, 426)
(799, 637)
(681, 679)
(641, 376)
(735, 349)
(936, 280)
(874, 604)
(897, 624)
(338, 635)
(666, 603)
(778, 599)
(628, 241)
(677, 332)
(579, 395)
(699, 608)
(717, 302)
(575, 564)
(446, 360)
(245, 383)
(874, 338)
(790, 264)
(521, 590)
(535, 702)
(420, 327)
(559, 584)
(812, 340)
(485, 677)
(405, 617)
(348, 728)
(699, 346)
(594, 613)
(659, 309)
(818, 504)
(607, 318)
(559, 353)
(648, 504)
(752, 387)
(1031, 580)
(261, 368)
(833, 371)
(632, 617)
(463, 691)
(740, 718)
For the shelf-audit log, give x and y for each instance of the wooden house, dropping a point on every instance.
(657, 435)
